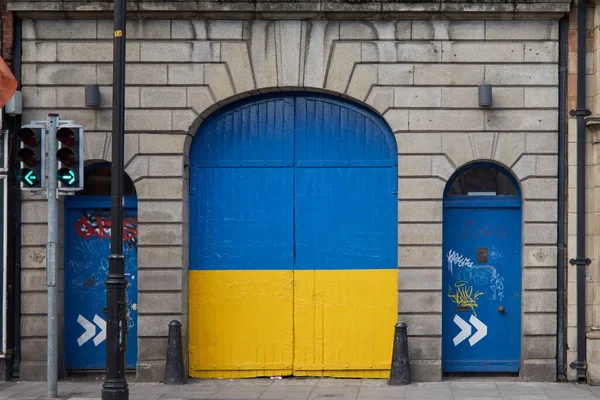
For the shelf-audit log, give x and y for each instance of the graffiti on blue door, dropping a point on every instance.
(87, 247)
(481, 300)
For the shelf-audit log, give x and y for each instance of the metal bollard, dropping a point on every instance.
(400, 373)
(174, 368)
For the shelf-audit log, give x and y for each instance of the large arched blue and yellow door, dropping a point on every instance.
(481, 300)
(293, 240)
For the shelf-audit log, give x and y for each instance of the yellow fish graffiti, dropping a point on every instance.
(464, 295)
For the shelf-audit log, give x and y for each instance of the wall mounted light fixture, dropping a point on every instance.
(92, 96)
(485, 95)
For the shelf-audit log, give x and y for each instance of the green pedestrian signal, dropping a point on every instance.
(66, 176)
(31, 155)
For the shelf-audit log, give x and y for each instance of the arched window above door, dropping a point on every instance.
(482, 180)
(97, 180)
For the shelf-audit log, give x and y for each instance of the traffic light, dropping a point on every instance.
(32, 156)
(70, 157)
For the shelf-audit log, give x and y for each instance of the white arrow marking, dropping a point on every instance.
(102, 325)
(90, 330)
(465, 330)
(481, 330)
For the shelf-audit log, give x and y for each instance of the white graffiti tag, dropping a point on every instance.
(497, 286)
(457, 259)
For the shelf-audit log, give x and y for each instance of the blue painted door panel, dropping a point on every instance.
(87, 247)
(476, 336)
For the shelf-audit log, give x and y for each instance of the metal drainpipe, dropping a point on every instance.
(560, 251)
(581, 261)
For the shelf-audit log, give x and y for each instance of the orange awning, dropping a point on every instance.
(8, 83)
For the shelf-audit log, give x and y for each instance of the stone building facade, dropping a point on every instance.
(418, 65)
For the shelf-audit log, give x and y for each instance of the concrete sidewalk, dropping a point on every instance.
(318, 389)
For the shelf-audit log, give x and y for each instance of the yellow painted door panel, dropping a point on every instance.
(344, 322)
(241, 323)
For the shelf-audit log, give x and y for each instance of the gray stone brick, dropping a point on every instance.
(170, 51)
(34, 349)
(539, 324)
(402, 29)
(186, 74)
(419, 256)
(419, 142)
(288, 56)
(224, 29)
(158, 302)
(160, 188)
(34, 212)
(159, 259)
(521, 30)
(521, 120)
(183, 120)
(441, 166)
(137, 168)
(448, 74)
(148, 120)
(132, 96)
(381, 99)
(39, 51)
(157, 211)
(541, 52)
(33, 280)
(59, 74)
(539, 301)
(218, 79)
(95, 145)
(419, 51)
(263, 53)
(152, 348)
(358, 30)
(34, 326)
(539, 278)
(63, 29)
(539, 233)
(70, 96)
(395, 74)
(161, 143)
(419, 279)
(521, 74)
(199, 98)
(166, 166)
(34, 234)
(541, 97)
(540, 211)
(163, 97)
(155, 325)
(138, 29)
(483, 52)
(414, 165)
(36, 97)
(33, 257)
(344, 56)
(135, 74)
(412, 302)
(422, 325)
(362, 80)
(425, 371)
(466, 30)
(425, 348)
(163, 234)
(419, 211)
(416, 97)
(238, 61)
(150, 371)
(420, 188)
(539, 347)
(419, 234)
(538, 371)
(445, 120)
(34, 303)
(546, 165)
(509, 147)
(540, 188)
(89, 52)
(539, 256)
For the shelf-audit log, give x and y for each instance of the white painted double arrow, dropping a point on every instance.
(465, 330)
(90, 330)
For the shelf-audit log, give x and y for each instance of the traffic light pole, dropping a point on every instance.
(52, 366)
(115, 385)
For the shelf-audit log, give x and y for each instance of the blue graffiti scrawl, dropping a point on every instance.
(87, 247)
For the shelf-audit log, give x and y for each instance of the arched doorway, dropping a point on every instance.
(481, 300)
(87, 247)
(293, 240)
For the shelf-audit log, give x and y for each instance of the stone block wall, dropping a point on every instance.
(420, 75)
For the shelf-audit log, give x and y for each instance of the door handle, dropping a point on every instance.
(501, 309)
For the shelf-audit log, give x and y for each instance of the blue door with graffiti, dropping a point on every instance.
(481, 298)
(87, 247)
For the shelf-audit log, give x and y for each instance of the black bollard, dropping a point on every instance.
(400, 373)
(174, 368)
